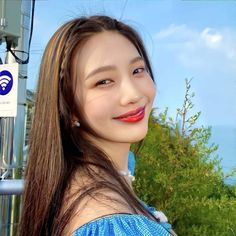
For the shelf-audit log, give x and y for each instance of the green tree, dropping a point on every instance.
(178, 172)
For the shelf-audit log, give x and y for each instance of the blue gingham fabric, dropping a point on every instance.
(124, 224)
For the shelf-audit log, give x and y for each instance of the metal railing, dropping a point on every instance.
(11, 186)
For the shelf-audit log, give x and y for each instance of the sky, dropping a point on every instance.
(185, 39)
(194, 39)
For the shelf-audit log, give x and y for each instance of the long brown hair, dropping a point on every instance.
(57, 149)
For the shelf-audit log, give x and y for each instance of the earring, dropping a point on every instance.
(76, 123)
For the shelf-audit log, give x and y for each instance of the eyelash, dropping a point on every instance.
(140, 68)
(100, 83)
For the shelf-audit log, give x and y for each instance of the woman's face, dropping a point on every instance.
(113, 81)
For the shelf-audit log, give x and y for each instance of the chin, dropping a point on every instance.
(125, 134)
(136, 136)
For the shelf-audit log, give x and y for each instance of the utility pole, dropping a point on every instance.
(16, 34)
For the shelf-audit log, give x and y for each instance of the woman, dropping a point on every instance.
(94, 97)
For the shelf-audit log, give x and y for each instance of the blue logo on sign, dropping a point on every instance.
(6, 82)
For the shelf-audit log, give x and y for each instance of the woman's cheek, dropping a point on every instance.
(149, 88)
(97, 94)
(98, 105)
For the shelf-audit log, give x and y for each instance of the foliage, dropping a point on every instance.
(178, 173)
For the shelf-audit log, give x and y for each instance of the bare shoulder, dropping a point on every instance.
(95, 206)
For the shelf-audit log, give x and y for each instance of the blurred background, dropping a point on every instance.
(185, 39)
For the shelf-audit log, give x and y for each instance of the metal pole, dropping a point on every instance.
(19, 132)
(9, 127)
(6, 146)
(7, 133)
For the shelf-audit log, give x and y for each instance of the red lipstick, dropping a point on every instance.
(132, 116)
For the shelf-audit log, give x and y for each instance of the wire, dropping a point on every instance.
(19, 60)
(123, 10)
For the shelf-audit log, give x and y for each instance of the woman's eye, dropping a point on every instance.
(103, 82)
(139, 70)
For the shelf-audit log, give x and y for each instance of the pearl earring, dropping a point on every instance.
(77, 124)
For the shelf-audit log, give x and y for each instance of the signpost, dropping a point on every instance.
(8, 89)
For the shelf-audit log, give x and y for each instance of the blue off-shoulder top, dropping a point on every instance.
(125, 224)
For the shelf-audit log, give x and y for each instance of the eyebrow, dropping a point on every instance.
(110, 67)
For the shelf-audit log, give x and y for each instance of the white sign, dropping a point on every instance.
(8, 89)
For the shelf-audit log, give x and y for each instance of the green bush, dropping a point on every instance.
(178, 173)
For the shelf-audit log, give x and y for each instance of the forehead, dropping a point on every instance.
(102, 49)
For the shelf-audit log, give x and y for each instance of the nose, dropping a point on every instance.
(129, 93)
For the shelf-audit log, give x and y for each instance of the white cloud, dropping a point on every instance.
(197, 49)
(211, 37)
(207, 54)
(175, 34)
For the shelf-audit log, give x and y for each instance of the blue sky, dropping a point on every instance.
(185, 39)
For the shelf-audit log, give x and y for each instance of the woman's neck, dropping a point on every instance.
(117, 152)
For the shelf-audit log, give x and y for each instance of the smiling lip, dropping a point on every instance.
(132, 116)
